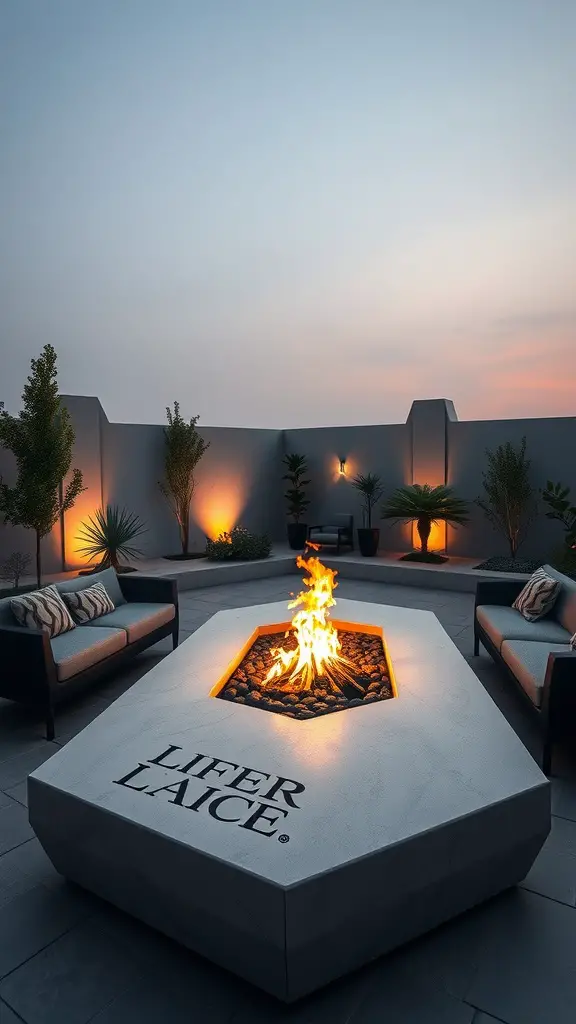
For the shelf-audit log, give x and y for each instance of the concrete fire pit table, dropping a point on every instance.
(291, 852)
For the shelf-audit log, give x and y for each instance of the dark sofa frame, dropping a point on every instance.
(557, 712)
(27, 668)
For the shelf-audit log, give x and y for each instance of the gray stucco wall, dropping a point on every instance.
(236, 482)
(384, 450)
(239, 480)
(550, 444)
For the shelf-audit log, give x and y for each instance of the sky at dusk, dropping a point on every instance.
(291, 213)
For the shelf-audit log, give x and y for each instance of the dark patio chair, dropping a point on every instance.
(336, 532)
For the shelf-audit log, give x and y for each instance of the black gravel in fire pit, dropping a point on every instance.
(246, 685)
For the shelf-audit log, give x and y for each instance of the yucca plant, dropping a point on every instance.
(371, 488)
(109, 534)
(425, 505)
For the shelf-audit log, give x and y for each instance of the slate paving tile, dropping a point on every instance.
(71, 979)
(24, 868)
(5, 800)
(31, 921)
(18, 793)
(553, 874)
(405, 1003)
(17, 767)
(14, 827)
(7, 1016)
(485, 1018)
(525, 971)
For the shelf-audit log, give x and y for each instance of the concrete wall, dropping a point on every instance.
(384, 450)
(239, 480)
(550, 444)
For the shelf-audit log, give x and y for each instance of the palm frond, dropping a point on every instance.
(417, 501)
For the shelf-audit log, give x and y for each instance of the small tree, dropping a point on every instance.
(41, 439)
(15, 566)
(184, 449)
(371, 488)
(295, 495)
(509, 504)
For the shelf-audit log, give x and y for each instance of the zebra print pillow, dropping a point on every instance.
(90, 603)
(42, 609)
(538, 596)
(573, 642)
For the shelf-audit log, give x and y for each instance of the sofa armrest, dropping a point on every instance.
(153, 589)
(27, 669)
(502, 592)
(559, 696)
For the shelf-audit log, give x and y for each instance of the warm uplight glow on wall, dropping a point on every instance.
(436, 540)
(218, 507)
(73, 520)
(342, 468)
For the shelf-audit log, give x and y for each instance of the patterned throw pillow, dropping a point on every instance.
(42, 609)
(90, 603)
(538, 596)
(573, 642)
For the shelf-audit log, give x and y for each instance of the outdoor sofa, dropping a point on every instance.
(536, 655)
(41, 672)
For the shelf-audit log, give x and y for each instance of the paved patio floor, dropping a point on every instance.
(68, 958)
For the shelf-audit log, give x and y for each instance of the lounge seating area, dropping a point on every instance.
(536, 656)
(337, 533)
(42, 671)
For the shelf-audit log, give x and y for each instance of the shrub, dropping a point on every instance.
(239, 544)
(295, 494)
(184, 447)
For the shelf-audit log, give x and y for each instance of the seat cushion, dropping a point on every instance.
(324, 536)
(503, 623)
(528, 661)
(108, 579)
(136, 618)
(83, 647)
(565, 608)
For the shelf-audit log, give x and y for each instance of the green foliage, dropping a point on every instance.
(41, 439)
(184, 447)
(557, 497)
(15, 566)
(425, 505)
(239, 544)
(108, 536)
(371, 488)
(295, 495)
(509, 504)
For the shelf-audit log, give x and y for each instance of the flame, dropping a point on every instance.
(317, 652)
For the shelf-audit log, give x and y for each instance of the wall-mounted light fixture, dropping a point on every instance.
(342, 467)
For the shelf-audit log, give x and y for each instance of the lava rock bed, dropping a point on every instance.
(366, 651)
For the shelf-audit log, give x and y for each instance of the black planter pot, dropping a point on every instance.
(368, 539)
(297, 535)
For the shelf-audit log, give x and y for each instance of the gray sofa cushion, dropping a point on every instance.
(324, 537)
(107, 577)
(83, 647)
(528, 661)
(503, 623)
(136, 618)
(564, 610)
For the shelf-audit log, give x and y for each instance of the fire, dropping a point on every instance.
(317, 652)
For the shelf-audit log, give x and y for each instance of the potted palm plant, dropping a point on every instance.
(370, 487)
(425, 505)
(108, 536)
(296, 500)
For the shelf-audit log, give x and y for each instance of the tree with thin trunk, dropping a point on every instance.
(509, 503)
(41, 439)
(184, 447)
